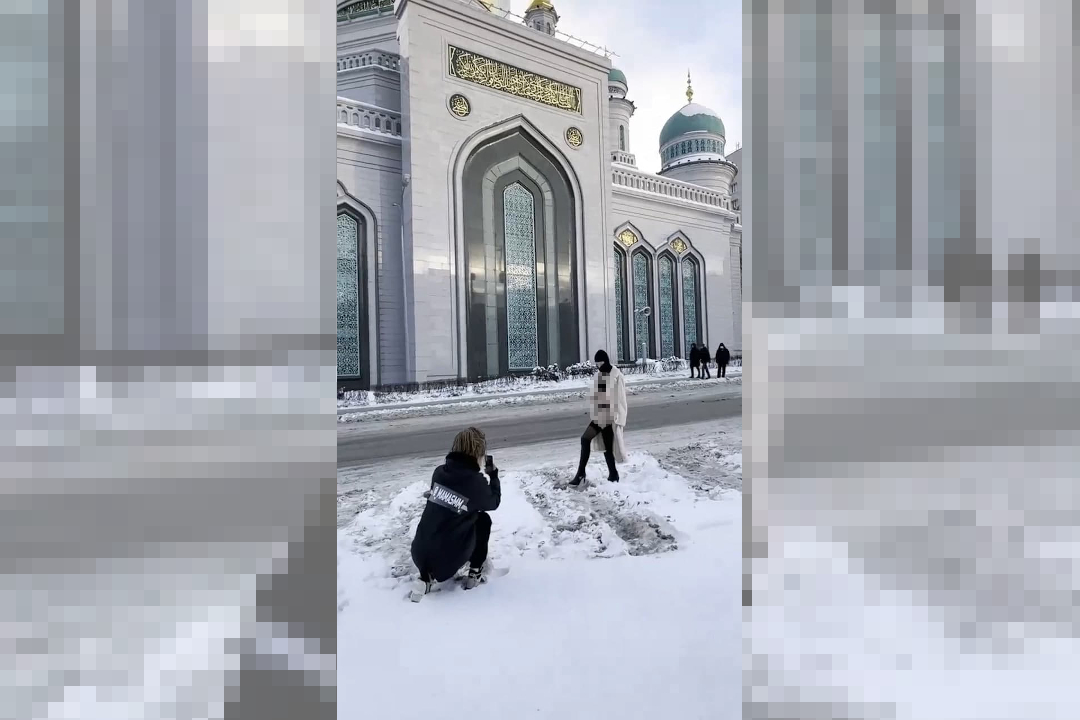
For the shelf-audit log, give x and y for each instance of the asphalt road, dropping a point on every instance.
(515, 426)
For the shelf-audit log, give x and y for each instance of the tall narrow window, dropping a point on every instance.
(622, 138)
(667, 307)
(620, 306)
(642, 324)
(691, 293)
(348, 296)
(520, 231)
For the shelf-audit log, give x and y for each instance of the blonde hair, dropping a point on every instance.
(471, 442)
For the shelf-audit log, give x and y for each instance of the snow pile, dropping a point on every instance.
(573, 377)
(622, 601)
(636, 385)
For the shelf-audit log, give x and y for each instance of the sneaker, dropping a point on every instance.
(420, 588)
(475, 577)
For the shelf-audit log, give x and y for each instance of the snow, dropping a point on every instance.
(692, 109)
(453, 405)
(509, 387)
(621, 601)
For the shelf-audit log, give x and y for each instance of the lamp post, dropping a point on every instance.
(644, 312)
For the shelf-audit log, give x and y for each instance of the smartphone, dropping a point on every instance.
(489, 461)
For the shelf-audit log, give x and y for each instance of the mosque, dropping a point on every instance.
(491, 217)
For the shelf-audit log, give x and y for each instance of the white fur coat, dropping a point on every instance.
(616, 391)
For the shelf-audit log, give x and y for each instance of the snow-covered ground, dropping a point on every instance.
(507, 387)
(545, 395)
(622, 601)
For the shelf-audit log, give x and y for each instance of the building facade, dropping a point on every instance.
(491, 215)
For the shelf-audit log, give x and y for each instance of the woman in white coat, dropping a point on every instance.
(607, 413)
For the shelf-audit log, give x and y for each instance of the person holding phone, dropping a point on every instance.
(455, 526)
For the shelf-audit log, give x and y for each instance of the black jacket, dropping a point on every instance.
(705, 355)
(446, 535)
(695, 357)
(723, 355)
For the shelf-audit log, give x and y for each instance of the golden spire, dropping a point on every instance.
(689, 89)
(540, 5)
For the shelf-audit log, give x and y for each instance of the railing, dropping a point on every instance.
(559, 34)
(369, 58)
(646, 182)
(624, 157)
(368, 117)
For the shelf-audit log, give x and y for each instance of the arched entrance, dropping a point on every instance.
(520, 257)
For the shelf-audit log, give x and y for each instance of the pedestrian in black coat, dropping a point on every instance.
(723, 357)
(695, 360)
(705, 360)
(455, 526)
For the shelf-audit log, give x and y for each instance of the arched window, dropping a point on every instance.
(350, 298)
(667, 306)
(622, 138)
(519, 227)
(643, 326)
(691, 302)
(621, 339)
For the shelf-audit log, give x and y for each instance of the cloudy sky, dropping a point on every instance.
(656, 42)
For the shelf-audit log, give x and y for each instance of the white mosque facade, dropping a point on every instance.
(491, 215)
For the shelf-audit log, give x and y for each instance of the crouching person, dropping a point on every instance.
(455, 526)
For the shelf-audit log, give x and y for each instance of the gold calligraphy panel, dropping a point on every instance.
(362, 7)
(493, 74)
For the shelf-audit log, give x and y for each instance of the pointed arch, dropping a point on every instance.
(621, 276)
(564, 310)
(692, 297)
(639, 237)
(667, 303)
(364, 331)
(673, 240)
(642, 262)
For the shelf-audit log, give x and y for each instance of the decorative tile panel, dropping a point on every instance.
(667, 309)
(620, 306)
(690, 301)
(520, 233)
(641, 300)
(348, 297)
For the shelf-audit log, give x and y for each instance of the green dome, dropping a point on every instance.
(616, 75)
(692, 118)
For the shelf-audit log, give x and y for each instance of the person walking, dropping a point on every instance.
(607, 415)
(723, 357)
(695, 360)
(705, 360)
(455, 526)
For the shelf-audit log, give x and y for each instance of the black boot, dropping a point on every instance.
(578, 479)
(613, 472)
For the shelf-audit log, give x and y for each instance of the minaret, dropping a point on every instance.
(620, 110)
(692, 146)
(541, 16)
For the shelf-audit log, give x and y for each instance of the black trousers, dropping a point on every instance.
(693, 371)
(480, 552)
(705, 370)
(608, 433)
(723, 371)
(483, 534)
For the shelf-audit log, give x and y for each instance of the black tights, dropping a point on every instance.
(608, 433)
